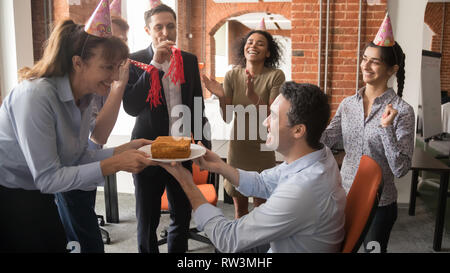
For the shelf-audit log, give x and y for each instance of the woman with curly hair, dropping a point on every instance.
(255, 81)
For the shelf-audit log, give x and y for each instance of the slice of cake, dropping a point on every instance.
(171, 147)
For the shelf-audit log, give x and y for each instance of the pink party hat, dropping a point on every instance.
(154, 3)
(385, 36)
(116, 8)
(100, 22)
(262, 25)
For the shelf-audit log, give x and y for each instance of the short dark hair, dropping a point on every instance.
(120, 22)
(158, 9)
(309, 106)
(274, 48)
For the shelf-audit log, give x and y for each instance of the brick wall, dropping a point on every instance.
(198, 21)
(343, 43)
(433, 18)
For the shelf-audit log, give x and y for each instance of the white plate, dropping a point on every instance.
(196, 152)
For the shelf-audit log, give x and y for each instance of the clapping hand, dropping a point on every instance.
(213, 86)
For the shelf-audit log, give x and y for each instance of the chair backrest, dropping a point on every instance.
(362, 201)
(200, 177)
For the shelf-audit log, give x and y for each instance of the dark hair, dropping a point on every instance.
(67, 40)
(120, 22)
(309, 106)
(272, 45)
(158, 9)
(393, 56)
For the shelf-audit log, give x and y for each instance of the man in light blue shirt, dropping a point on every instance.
(305, 204)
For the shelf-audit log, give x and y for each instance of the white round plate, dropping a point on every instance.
(196, 152)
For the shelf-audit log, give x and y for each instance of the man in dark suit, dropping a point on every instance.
(152, 122)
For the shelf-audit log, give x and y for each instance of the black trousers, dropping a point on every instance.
(29, 222)
(380, 229)
(149, 187)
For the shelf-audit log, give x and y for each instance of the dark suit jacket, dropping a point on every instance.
(154, 122)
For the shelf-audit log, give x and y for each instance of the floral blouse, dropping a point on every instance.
(391, 147)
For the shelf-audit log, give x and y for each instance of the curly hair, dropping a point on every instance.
(309, 106)
(274, 48)
(393, 56)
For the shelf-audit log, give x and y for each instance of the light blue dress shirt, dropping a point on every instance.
(44, 139)
(304, 211)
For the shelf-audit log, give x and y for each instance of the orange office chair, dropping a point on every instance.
(208, 191)
(362, 202)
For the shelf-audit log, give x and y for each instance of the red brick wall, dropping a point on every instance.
(343, 41)
(198, 20)
(433, 18)
(236, 31)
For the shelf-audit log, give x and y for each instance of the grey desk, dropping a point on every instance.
(422, 161)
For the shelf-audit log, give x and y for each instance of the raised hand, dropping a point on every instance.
(213, 86)
(388, 116)
(163, 51)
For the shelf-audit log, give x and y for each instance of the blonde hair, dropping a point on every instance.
(67, 40)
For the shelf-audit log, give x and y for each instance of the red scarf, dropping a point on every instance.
(154, 94)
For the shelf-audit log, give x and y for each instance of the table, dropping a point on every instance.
(424, 162)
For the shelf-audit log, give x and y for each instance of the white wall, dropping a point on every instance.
(16, 41)
(407, 22)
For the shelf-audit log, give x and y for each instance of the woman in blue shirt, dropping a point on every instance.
(44, 128)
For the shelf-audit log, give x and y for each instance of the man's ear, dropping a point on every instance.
(147, 30)
(77, 63)
(299, 131)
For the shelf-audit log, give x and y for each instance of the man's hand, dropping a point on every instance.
(210, 161)
(163, 51)
(184, 177)
(388, 116)
(180, 173)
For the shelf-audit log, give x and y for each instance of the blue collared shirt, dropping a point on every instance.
(304, 211)
(43, 139)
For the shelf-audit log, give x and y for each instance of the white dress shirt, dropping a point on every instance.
(172, 92)
(304, 211)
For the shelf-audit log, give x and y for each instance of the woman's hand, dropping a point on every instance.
(388, 116)
(213, 86)
(132, 145)
(124, 73)
(132, 161)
